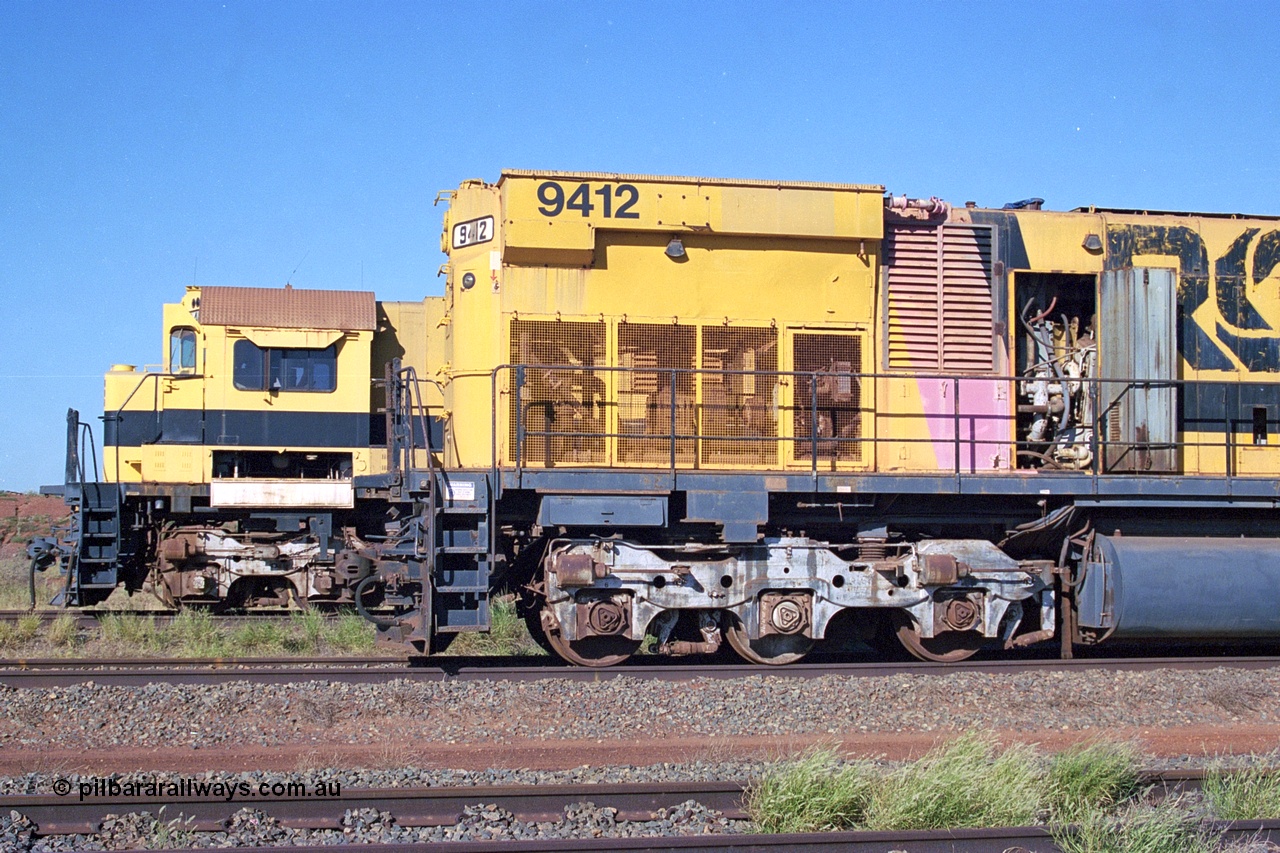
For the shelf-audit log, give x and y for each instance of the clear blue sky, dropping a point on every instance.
(146, 146)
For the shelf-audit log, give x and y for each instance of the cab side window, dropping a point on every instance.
(304, 369)
(259, 369)
(182, 350)
(249, 366)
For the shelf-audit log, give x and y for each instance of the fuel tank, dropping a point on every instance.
(1150, 587)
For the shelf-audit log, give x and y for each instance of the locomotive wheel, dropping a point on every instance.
(951, 647)
(531, 614)
(592, 651)
(773, 650)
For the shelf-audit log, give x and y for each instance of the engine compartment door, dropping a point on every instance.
(1138, 365)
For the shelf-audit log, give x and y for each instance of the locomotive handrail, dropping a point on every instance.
(1098, 442)
(405, 403)
(78, 433)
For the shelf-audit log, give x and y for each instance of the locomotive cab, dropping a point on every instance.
(264, 397)
(242, 447)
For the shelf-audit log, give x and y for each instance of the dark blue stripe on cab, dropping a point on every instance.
(234, 428)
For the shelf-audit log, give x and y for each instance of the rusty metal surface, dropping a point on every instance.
(287, 308)
(1006, 840)
(410, 806)
(61, 673)
(89, 619)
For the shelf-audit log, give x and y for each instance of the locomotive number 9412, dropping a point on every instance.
(614, 201)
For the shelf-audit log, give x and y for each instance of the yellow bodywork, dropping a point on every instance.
(769, 259)
(636, 291)
(149, 392)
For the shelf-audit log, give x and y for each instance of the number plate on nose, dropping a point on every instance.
(473, 231)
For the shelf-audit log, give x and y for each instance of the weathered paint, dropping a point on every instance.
(281, 493)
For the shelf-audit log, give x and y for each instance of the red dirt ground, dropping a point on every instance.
(559, 755)
(23, 516)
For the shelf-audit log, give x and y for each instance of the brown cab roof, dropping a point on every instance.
(288, 308)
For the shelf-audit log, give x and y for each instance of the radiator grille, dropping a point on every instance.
(939, 294)
(562, 400)
(837, 393)
(738, 408)
(649, 352)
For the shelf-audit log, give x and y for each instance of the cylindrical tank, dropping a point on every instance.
(1138, 586)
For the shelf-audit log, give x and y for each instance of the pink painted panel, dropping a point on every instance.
(986, 423)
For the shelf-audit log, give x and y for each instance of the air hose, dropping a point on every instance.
(360, 608)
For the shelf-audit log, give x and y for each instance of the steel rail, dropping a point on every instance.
(90, 619)
(47, 673)
(429, 807)
(1001, 840)
(1016, 839)
(411, 807)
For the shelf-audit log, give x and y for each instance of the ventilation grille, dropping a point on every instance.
(939, 293)
(832, 401)
(561, 401)
(649, 353)
(738, 410)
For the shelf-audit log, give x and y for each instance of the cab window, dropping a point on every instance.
(259, 369)
(182, 350)
(249, 371)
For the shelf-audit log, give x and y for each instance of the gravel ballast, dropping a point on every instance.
(88, 716)
(380, 726)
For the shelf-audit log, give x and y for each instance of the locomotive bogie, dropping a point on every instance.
(210, 566)
(788, 586)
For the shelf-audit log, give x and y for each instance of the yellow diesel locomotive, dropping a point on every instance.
(760, 413)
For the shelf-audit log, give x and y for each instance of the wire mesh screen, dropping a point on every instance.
(649, 352)
(828, 403)
(739, 409)
(561, 405)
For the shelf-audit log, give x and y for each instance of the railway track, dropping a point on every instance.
(437, 807)
(90, 619)
(54, 672)
(1005, 840)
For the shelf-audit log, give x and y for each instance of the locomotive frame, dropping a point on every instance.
(717, 412)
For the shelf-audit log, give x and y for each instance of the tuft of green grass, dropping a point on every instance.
(969, 782)
(8, 635)
(195, 633)
(170, 834)
(63, 632)
(15, 635)
(259, 639)
(348, 632)
(813, 793)
(507, 634)
(28, 627)
(135, 632)
(1090, 777)
(1251, 794)
(310, 627)
(1168, 827)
